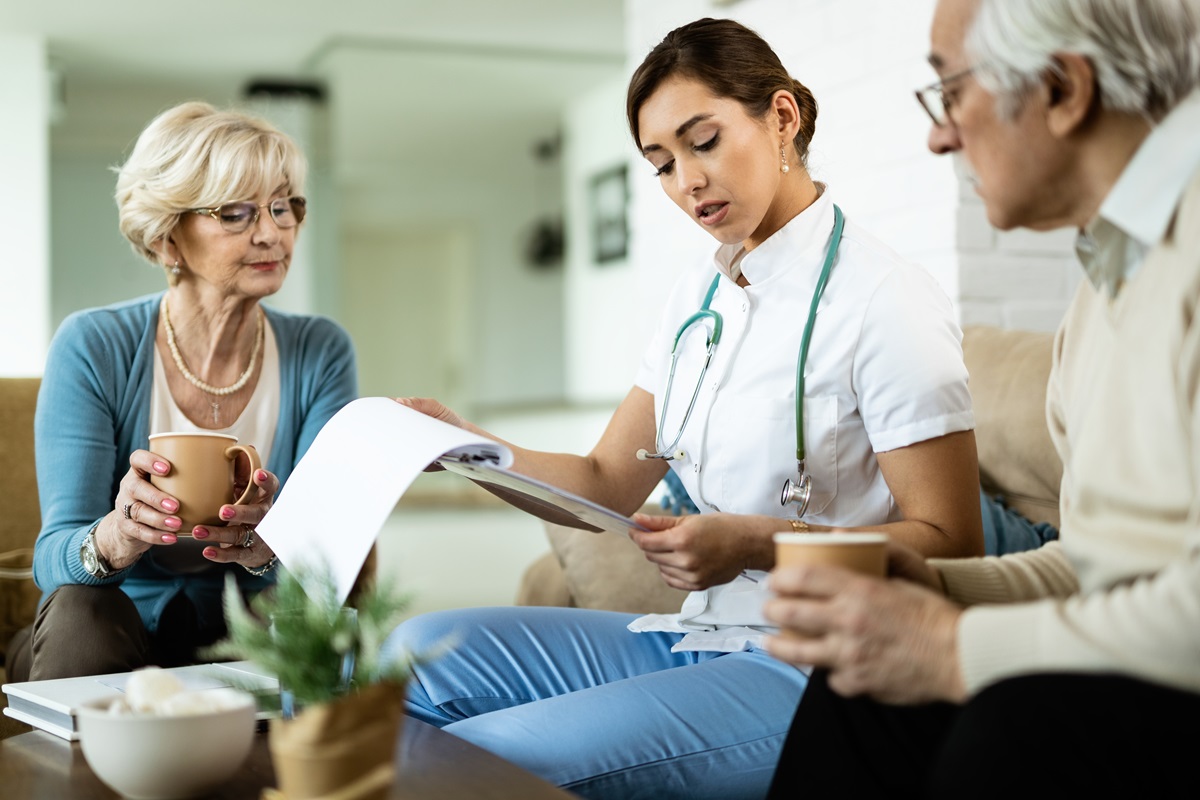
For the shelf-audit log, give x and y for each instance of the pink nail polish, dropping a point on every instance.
(260, 476)
(160, 468)
(210, 553)
(170, 505)
(169, 538)
(226, 513)
(173, 522)
(200, 533)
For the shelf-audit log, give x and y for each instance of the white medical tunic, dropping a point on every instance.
(885, 370)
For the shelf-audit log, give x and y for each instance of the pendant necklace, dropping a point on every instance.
(214, 392)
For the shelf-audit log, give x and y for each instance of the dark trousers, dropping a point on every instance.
(96, 630)
(1038, 736)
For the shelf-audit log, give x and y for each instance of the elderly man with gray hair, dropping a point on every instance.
(1077, 666)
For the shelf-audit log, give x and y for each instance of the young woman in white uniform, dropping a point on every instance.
(610, 705)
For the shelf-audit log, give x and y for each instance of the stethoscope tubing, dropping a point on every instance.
(670, 452)
(835, 240)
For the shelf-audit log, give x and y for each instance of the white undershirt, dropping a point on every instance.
(255, 425)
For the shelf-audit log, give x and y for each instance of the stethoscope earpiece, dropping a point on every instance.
(645, 455)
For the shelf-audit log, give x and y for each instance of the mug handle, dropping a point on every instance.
(250, 453)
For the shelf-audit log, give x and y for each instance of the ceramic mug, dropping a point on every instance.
(202, 474)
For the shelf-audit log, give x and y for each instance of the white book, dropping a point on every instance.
(52, 705)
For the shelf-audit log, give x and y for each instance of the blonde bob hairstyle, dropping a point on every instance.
(196, 156)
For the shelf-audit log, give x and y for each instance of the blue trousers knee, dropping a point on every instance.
(576, 698)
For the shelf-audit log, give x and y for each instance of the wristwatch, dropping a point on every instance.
(91, 558)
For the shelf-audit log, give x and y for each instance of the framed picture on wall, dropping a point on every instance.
(609, 209)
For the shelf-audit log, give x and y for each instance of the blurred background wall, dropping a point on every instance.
(465, 160)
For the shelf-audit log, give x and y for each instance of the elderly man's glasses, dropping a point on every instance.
(935, 100)
(288, 212)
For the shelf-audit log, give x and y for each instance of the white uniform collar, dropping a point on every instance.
(803, 232)
(1138, 209)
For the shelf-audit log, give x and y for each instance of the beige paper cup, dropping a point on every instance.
(860, 552)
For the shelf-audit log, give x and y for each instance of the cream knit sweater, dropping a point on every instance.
(1120, 591)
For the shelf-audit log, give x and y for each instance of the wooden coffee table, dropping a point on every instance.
(431, 764)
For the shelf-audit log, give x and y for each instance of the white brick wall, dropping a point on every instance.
(862, 59)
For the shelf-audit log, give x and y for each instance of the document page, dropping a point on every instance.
(341, 493)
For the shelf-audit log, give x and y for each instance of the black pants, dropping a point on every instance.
(1039, 736)
(96, 630)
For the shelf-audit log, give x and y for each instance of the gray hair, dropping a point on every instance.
(1146, 53)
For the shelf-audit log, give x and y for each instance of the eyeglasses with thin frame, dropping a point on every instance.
(934, 100)
(287, 212)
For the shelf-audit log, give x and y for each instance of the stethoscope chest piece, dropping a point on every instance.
(797, 491)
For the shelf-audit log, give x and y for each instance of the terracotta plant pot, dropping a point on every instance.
(344, 748)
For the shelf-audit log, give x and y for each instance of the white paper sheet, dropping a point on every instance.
(341, 493)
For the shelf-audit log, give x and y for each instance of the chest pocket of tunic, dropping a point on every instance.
(761, 447)
(820, 444)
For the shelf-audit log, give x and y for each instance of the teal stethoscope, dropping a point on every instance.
(798, 490)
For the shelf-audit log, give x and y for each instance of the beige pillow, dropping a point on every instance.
(1009, 371)
(609, 572)
(543, 584)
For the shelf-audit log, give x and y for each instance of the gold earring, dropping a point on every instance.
(783, 166)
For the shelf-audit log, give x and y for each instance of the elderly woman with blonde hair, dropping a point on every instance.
(216, 198)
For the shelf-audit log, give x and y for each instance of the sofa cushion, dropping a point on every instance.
(543, 584)
(22, 518)
(609, 572)
(1008, 374)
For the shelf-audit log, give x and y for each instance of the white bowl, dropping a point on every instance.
(151, 757)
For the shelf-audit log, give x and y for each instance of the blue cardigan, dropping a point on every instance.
(93, 410)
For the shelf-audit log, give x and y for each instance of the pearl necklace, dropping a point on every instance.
(208, 388)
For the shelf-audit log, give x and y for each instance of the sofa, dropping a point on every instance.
(1017, 462)
(21, 518)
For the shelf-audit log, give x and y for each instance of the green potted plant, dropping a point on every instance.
(343, 704)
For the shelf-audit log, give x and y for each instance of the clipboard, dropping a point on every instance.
(560, 506)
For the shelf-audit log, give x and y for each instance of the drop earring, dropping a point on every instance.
(175, 270)
(783, 165)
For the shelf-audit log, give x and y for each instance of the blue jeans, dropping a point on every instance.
(1006, 531)
(574, 697)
